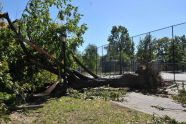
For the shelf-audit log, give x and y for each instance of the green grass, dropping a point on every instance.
(93, 106)
(69, 110)
(78, 111)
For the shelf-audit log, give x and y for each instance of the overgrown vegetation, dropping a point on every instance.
(181, 97)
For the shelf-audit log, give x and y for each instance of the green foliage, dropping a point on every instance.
(38, 25)
(120, 47)
(119, 40)
(4, 117)
(178, 44)
(20, 77)
(162, 49)
(17, 80)
(4, 96)
(146, 49)
(125, 59)
(181, 97)
(90, 57)
(9, 90)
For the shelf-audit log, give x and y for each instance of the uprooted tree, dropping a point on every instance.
(33, 44)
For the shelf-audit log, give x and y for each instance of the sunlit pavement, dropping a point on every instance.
(170, 76)
(146, 103)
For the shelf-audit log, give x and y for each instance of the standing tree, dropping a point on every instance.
(146, 50)
(161, 49)
(121, 46)
(90, 57)
(120, 40)
(177, 48)
(165, 48)
(183, 39)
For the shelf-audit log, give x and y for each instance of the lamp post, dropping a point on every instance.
(63, 39)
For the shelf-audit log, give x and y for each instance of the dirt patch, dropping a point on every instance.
(21, 118)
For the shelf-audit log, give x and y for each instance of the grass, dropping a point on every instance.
(165, 120)
(181, 97)
(78, 111)
(92, 106)
(69, 110)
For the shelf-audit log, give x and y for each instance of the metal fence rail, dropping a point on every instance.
(117, 62)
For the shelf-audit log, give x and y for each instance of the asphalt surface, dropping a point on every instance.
(151, 104)
(170, 76)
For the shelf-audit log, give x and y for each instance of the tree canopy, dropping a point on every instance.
(90, 57)
(145, 50)
(162, 50)
(18, 74)
(119, 40)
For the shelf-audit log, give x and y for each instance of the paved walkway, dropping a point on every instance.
(153, 104)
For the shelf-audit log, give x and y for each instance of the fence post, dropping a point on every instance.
(102, 61)
(120, 58)
(110, 66)
(150, 50)
(173, 52)
(131, 60)
(96, 60)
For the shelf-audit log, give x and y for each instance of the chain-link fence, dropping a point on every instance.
(164, 48)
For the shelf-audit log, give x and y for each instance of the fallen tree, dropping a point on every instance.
(145, 78)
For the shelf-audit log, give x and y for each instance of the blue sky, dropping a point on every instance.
(138, 16)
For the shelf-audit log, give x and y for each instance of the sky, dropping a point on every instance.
(138, 16)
